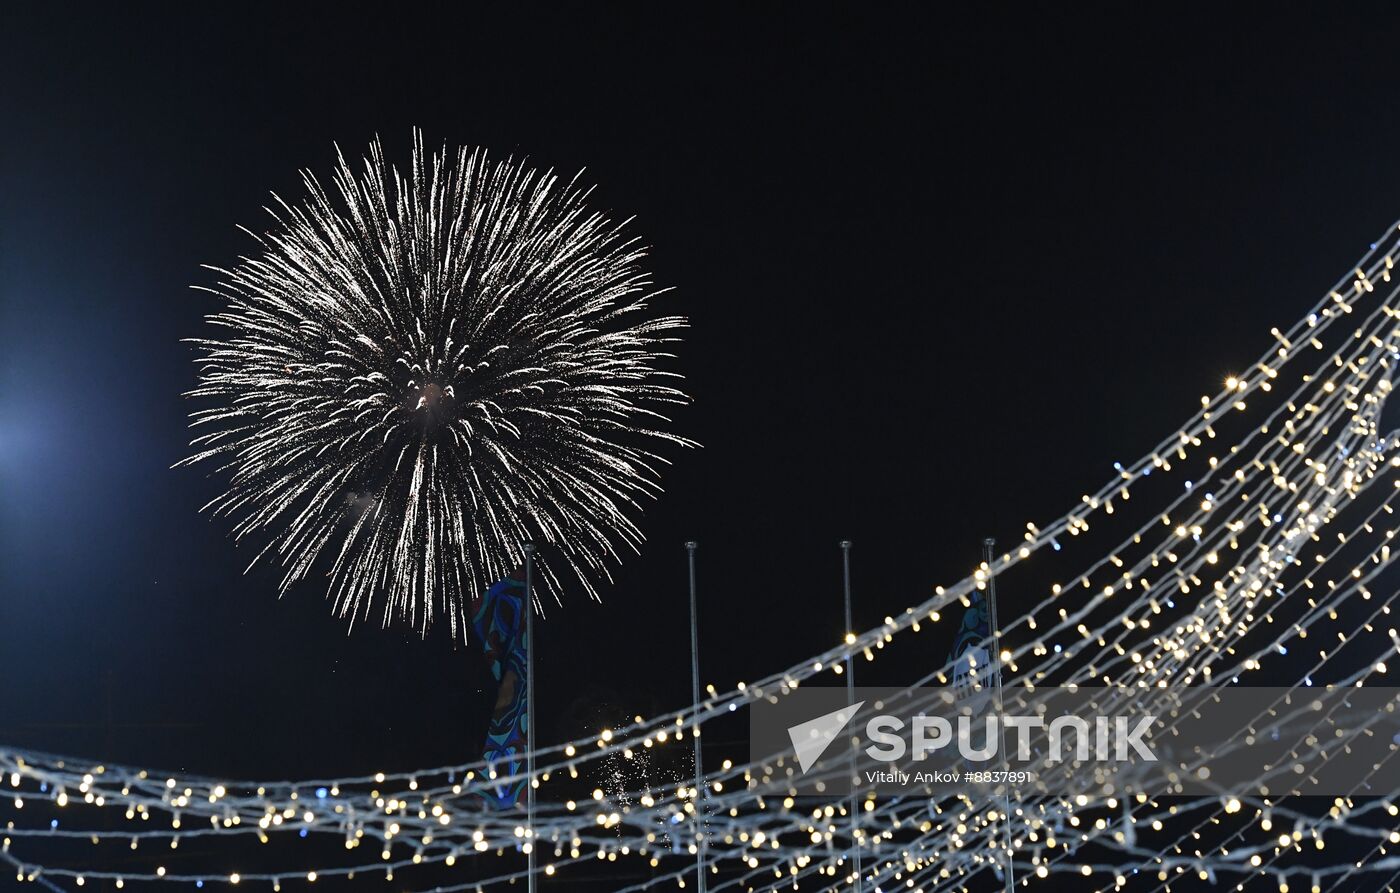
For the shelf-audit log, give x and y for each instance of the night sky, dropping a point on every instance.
(941, 273)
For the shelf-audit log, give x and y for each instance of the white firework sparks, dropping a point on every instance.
(420, 373)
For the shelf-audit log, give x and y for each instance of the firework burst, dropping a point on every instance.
(420, 372)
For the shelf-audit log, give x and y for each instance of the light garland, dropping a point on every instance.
(1274, 544)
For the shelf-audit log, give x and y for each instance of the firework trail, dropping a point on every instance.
(420, 372)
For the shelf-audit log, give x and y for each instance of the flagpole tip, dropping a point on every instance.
(691, 545)
(846, 544)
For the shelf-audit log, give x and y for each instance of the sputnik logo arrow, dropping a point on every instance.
(811, 738)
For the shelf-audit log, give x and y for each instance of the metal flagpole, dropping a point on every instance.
(988, 548)
(530, 707)
(851, 699)
(700, 880)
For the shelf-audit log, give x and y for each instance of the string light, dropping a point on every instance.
(1268, 545)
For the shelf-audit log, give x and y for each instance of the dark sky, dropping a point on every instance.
(941, 273)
